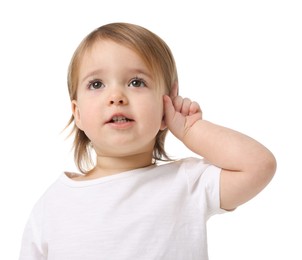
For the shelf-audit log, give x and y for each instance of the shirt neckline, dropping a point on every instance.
(67, 180)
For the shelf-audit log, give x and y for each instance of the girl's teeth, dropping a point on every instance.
(119, 119)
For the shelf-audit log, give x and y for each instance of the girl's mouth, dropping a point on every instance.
(120, 119)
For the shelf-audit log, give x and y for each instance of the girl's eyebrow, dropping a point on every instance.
(141, 72)
(91, 74)
(132, 71)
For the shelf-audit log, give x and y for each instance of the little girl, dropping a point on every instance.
(123, 88)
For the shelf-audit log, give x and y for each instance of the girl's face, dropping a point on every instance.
(119, 107)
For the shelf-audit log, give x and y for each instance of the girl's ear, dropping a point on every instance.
(174, 90)
(76, 113)
(163, 125)
(173, 94)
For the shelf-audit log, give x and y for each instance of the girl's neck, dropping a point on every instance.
(106, 166)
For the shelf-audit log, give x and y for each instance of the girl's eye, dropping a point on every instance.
(95, 84)
(137, 83)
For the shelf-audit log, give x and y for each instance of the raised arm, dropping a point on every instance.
(247, 166)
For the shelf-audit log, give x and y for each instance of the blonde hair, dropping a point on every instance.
(157, 56)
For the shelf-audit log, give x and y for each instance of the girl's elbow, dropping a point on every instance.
(269, 167)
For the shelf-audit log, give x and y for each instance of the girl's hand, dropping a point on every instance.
(180, 114)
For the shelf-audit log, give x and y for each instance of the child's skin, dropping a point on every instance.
(114, 83)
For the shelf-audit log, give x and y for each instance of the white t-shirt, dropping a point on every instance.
(156, 212)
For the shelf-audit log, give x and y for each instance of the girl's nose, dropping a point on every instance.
(118, 99)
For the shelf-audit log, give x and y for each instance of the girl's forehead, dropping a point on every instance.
(109, 45)
(109, 54)
(103, 49)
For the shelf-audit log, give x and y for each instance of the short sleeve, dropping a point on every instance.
(204, 185)
(32, 246)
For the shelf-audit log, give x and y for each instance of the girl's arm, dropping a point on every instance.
(247, 166)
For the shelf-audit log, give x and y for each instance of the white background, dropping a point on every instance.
(241, 60)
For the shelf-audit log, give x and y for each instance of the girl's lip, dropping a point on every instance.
(121, 125)
(119, 119)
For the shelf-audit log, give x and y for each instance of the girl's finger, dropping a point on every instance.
(185, 109)
(177, 103)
